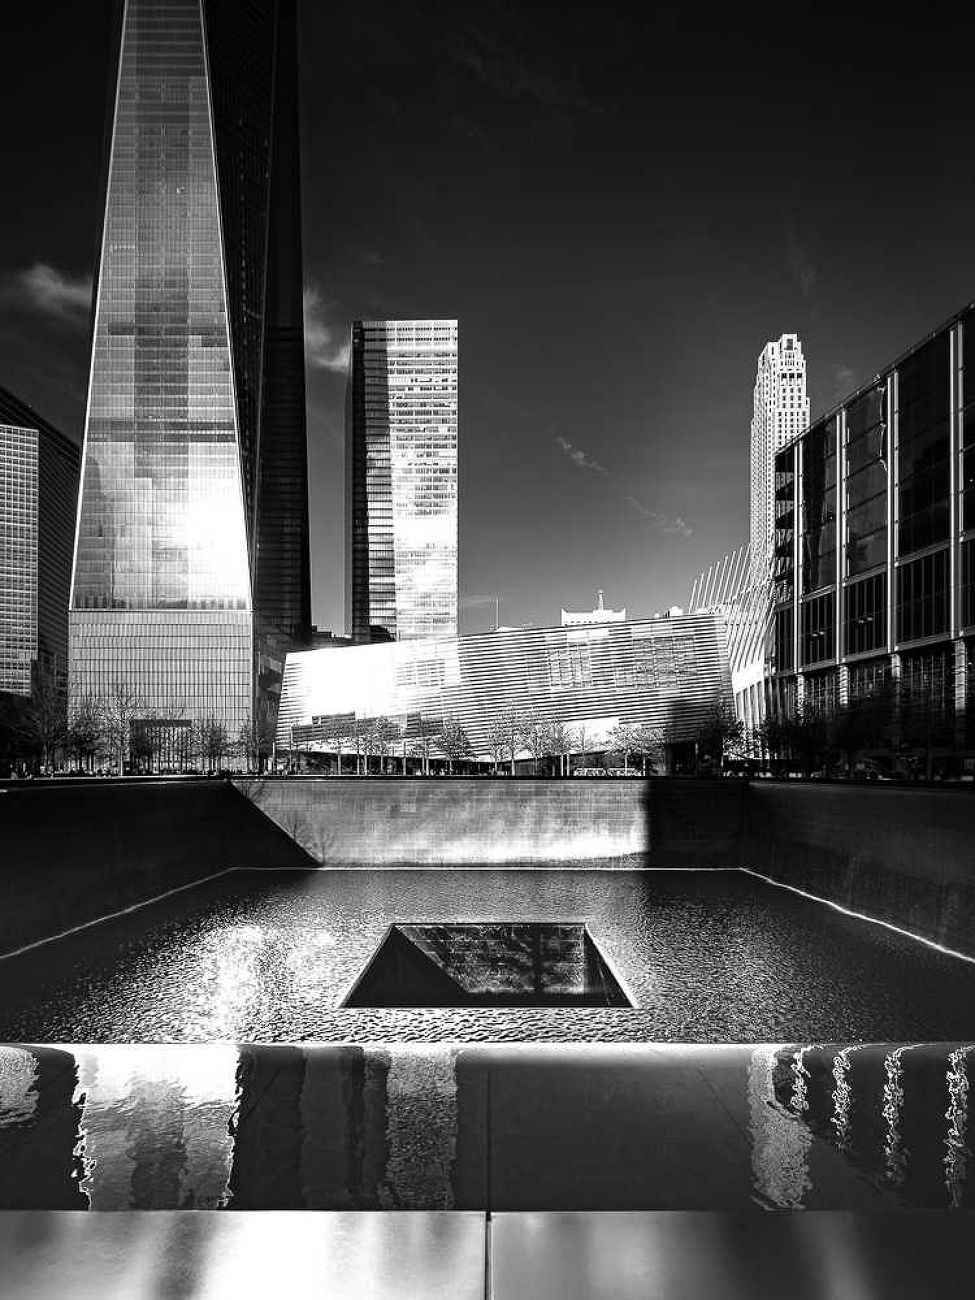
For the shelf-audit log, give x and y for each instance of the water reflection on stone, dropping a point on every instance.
(154, 1126)
(436, 1127)
(780, 1141)
(957, 1152)
(895, 1157)
(421, 1127)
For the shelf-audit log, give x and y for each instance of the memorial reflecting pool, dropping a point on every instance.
(271, 956)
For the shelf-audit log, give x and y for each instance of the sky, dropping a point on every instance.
(620, 209)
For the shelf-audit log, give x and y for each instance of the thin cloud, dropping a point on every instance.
(44, 290)
(326, 344)
(844, 381)
(670, 525)
(503, 69)
(579, 457)
(800, 263)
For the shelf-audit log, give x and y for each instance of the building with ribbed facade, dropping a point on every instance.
(780, 412)
(401, 480)
(191, 568)
(874, 578)
(38, 498)
(661, 673)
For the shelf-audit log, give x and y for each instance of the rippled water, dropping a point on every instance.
(269, 956)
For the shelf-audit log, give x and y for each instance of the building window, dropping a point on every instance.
(569, 666)
(865, 615)
(968, 583)
(818, 452)
(783, 657)
(865, 543)
(927, 694)
(783, 564)
(820, 692)
(968, 470)
(922, 597)
(868, 680)
(923, 447)
(817, 629)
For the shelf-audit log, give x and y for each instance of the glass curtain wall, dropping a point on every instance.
(161, 591)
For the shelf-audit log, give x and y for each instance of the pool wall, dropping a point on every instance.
(896, 853)
(371, 821)
(72, 851)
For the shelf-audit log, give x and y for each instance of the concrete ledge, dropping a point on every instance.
(448, 1126)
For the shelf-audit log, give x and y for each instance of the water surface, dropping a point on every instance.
(705, 956)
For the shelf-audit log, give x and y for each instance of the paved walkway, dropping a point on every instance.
(455, 1256)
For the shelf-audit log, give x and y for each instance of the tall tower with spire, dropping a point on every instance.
(191, 545)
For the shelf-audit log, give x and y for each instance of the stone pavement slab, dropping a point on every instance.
(234, 1256)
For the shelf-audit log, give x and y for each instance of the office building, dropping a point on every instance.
(38, 498)
(573, 618)
(874, 579)
(663, 673)
(191, 569)
(401, 484)
(780, 412)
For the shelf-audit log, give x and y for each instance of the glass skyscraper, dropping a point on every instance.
(192, 537)
(401, 484)
(874, 579)
(38, 493)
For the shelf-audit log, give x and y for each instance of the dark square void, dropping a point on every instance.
(487, 964)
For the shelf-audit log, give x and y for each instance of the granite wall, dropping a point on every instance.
(901, 854)
(72, 851)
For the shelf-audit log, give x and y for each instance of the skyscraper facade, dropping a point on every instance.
(192, 531)
(874, 582)
(781, 410)
(38, 493)
(401, 486)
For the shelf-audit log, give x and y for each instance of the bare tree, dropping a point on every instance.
(533, 736)
(647, 744)
(720, 735)
(425, 736)
(381, 736)
(578, 744)
(211, 743)
(503, 736)
(455, 743)
(620, 741)
(43, 722)
(495, 742)
(558, 742)
(144, 740)
(86, 731)
(120, 708)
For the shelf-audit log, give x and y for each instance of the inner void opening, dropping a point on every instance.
(488, 964)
